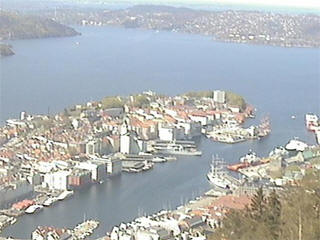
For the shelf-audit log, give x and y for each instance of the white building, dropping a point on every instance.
(97, 169)
(219, 96)
(129, 144)
(167, 133)
(57, 180)
(202, 119)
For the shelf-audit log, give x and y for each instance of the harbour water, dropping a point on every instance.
(50, 74)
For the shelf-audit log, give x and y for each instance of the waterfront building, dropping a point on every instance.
(79, 178)
(50, 233)
(129, 143)
(153, 233)
(97, 169)
(167, 133)
(57, 180)
(114, 166)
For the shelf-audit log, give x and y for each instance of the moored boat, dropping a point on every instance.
(33, 209)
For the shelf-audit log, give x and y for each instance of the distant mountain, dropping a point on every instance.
(14, 25)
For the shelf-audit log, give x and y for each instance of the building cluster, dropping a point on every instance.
(234, 26)
(197, 220)
(89, 143)
(282, 167)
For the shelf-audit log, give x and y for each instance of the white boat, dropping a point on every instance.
(33, 209)
(170, 158)
(250, 157)
(180, 150)
(217, 173)
(64, 195)
(176, 148)
(50, 201)
(159, 160)
(279, 151)
(296, 145)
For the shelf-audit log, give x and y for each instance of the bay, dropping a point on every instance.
(51, 74)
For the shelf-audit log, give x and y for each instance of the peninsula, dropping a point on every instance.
(18, 26)
(251, 27)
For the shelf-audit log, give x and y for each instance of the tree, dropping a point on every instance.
(112, 102)
(274, 215)
(140, 101)
(258, 205)
(235, 100)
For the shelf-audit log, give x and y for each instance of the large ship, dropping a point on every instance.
(296, 145)
(176, 148)
(217, 175)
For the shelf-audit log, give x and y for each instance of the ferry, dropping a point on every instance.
(180, 151)
(217, 174)
(176, 148)
(296, 145)
(33, 209)
(65, 195)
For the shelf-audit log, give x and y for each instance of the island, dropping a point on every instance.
(5, 50)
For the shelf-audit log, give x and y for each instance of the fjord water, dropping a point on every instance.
(56, 73)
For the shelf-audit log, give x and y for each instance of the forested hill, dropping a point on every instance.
(14, 25)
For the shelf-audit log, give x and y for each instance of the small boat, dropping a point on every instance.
(64, 195)
(279, 151)
(50, 201)
(159, 160)
(171, 158)
(33, 209)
